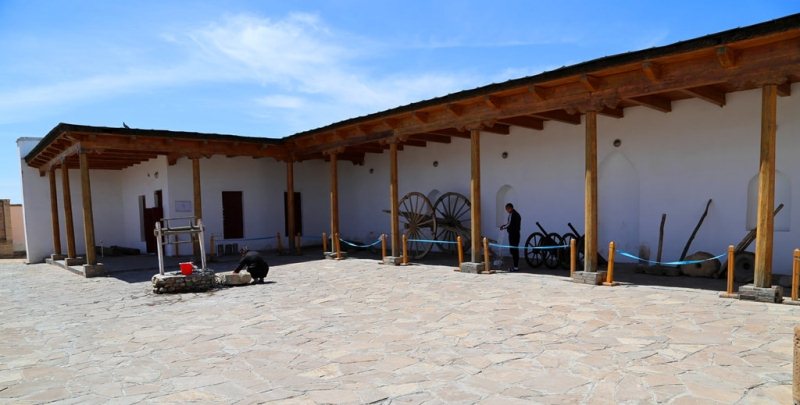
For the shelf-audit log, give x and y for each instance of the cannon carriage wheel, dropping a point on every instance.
(417, 222)
(453, 219)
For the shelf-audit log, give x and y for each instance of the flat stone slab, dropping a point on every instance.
(332, 255)
(233, 279)
(589, 277)
(750, 292)
(176, 282)
(392, 260)
(472, 267)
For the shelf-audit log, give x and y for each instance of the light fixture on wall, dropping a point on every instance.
(155, 174)
(617, 143)
(435, 163)
(504, 155)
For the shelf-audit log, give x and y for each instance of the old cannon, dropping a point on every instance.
(540, 248)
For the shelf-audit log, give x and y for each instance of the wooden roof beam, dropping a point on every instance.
(539, 93)
(785, 89)
(411, 142)
(591, 83)
(707, 93)
(455, 109)
(726, 57)
(500, 129)
(452, 132)
(524, 121)
(612, 112)
(652, 71)
(421, 116)
(659, 103)
(561, 116)
(492, 102)
(431, 137)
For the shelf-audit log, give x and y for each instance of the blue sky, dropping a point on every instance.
(273, 68)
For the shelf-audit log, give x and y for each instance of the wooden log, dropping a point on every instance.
(766, 188)
(590, 194)
(475, 194)
(51, 174)
(88, 216)
(751, 236)
(694, 232)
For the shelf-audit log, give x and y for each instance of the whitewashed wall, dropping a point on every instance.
(36, 201)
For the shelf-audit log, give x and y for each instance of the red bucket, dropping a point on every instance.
(186, 268)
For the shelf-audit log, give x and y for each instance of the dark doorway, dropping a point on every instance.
(232, 216)
(149, 218)
(298, 215)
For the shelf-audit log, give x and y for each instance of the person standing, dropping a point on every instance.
(512, 226)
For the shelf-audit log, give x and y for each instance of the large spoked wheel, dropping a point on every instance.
(534, 257)
(551, 258)
(452, 212)
(565, 253)
(418, 223)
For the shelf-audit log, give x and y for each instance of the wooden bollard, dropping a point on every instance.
(610, 272)
(213, 250)
(338, 247)
(324, 243)
(573, 256)
(487, 262)
(731, 266)
(795, 273)
(383, 248)
(796, 367)
(298, 244)
(405, 250)
(280, 243)
(460, 251)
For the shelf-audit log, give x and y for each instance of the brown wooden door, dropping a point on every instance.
(298, 215)
(232, 215)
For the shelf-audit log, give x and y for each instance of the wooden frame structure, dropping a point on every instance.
(765, 56)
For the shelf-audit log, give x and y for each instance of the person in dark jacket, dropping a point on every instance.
(255, 265)
(513, 227)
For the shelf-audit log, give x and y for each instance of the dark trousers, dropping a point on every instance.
(513, 240)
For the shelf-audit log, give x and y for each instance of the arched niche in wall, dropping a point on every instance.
(783, 195)
(618, 202)
(505, 194)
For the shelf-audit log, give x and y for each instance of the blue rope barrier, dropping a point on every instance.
(361, 246)
(446, 242)
(675, 263)
(529, 247)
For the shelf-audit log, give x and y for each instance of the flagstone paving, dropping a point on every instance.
(358, 332)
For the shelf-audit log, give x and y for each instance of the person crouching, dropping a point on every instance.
(254, 264)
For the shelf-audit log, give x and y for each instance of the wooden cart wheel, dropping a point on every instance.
(552, 256)
(534, 257)
(452, 212)
(417, 222)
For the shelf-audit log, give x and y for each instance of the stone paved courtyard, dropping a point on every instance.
(358, 332)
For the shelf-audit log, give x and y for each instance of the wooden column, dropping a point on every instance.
(393, 197)
(88, 218)
(198, 200)
(290, 225)
(54, 212)
(590, 194)
(334, 196)
(68, 211)
(475, 194)
(766, 188)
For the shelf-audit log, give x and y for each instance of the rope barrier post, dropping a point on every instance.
(324, 243)
(405, 250)
(210, 242)
(460, 252)
(298, 241)
(487, 264)
(795, 273)
(610, 273)
(280, 244)
(573, 257)
(338, 247)
(383, 248)
(729, 291)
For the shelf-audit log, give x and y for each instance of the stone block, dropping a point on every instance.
(230, 278)
(175, 282)
(589, 277)
(75, 261)
(772, 294)
(56, 257)
(96, 270)
(392, 260)
(332, 255)
(473, 267)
